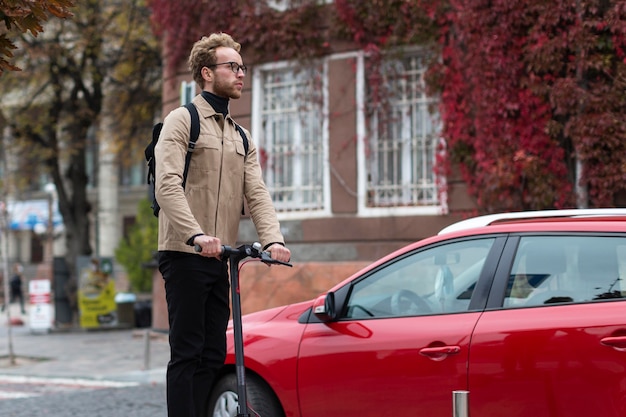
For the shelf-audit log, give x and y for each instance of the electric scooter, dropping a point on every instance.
(236, 255)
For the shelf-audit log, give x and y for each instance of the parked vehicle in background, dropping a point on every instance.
(522, 314)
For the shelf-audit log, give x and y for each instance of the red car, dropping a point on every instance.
(519, 314)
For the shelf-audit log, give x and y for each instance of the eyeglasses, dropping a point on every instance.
(234, 67)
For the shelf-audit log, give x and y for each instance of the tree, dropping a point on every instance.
(23, 16)
(139, 247)
(101, 65)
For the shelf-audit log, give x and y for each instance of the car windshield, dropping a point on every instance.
(434, 280)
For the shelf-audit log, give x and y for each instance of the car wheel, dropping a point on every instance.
(223, 401)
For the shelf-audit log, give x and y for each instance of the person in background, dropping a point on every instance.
(206, 214)
(15, 287)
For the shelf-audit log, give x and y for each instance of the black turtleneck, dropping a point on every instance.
(219, 104)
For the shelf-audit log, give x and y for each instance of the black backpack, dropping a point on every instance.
(193, 138)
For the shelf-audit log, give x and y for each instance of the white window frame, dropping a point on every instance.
(187, 92)
(363, 146)
(294, 210)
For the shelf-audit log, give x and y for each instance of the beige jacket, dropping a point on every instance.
(220, 176)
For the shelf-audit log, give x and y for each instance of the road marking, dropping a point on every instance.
(11, 395)
(80, 382)
(18, 386)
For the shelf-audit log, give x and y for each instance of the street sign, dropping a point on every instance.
(40, 310)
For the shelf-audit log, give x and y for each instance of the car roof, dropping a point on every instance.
(538, 216)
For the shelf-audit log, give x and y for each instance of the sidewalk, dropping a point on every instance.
(130, 355)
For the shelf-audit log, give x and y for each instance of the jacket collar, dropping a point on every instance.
(205, 109)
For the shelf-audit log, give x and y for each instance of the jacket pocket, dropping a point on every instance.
(241, 151)
(206, 160)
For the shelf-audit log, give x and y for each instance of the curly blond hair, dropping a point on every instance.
(203, 53)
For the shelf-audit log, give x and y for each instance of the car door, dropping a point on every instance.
(400, 346)
(557, 346)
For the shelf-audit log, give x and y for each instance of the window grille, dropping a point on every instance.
(292, 143)
(403, 139)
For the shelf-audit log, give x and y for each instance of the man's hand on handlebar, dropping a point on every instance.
(211, 246)
(279, 252)
(275, 254)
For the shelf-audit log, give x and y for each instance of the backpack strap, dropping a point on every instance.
(149, 152)
(193, 137)
(243, 136)
(246, 145)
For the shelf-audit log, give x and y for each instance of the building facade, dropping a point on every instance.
(344, 189)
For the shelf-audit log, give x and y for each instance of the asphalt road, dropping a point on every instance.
(109, 373)
(143, 400)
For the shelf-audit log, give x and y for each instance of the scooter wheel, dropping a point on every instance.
(262, 402)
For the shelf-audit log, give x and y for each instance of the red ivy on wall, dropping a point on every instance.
(494, 123)
(266, 33)
(530, 87)
(527, 87)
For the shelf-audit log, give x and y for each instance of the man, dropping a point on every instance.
(206, 213)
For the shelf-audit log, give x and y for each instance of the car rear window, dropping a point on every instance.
(551, 270)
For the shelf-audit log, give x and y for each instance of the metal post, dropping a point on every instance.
(460, 403)
(49, 233)
(146, 352)
(4, 226)
(50, 190)
(4, 239)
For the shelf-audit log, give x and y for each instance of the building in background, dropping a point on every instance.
(343, 194)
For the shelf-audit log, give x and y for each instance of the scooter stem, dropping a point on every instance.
(234, 257)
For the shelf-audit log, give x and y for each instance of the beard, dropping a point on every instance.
(226, 89)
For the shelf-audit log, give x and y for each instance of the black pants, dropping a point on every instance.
(196, 289)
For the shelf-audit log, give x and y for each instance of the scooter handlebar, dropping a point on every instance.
(226, 250)
(267, 258)
(243, 251)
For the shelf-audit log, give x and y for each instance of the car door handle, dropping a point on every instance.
(439, 353)
(617, 342)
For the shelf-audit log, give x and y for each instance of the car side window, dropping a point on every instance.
(551, 270)
(436, 280)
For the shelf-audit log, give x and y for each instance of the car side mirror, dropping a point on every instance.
(324, 308)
